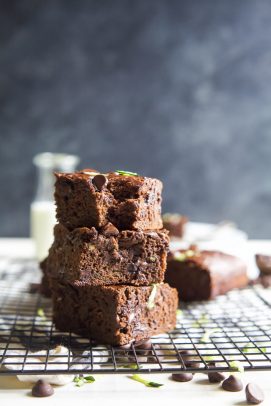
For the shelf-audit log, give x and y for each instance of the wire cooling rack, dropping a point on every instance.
(232, 331)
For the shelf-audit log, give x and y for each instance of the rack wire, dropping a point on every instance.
(230, 332)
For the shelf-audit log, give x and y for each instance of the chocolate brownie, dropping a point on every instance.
(90, 199)
(175, 224)
(202, 275)
(114, 315)
(45, 281)
(108, 257)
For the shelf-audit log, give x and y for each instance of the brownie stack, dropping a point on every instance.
(106, 267)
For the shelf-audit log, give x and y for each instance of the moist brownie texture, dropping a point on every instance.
(175, 224)
(108, 257)
(202, 275)
(115, 315)
(90, 199)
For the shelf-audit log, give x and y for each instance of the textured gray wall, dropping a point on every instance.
(180, 90)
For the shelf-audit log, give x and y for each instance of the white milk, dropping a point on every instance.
(42, 221)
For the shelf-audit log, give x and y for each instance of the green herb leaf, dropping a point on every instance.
(79, 381)
(207, 335)
(204, 318)
(130, 366)
(182, 256)
(150, 304)
(150, 384)
(126, 173)
(154, 384)
(40, 313)
(89, 379)
(236, 366)
(179, 313)
(250, 348)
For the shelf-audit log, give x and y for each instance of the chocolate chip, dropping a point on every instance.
(254, 394)
(42, 389)
(232, 384)
(125, 346)
(216, 377)
(132, 268)
(99, 181)
(264, 263)
(152, 359)
(34, 288)
(188, 358)
(265, 281)
(182, 377)
(144, 345)
(110, 230)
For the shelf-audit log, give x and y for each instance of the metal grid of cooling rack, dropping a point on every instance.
(231, 331)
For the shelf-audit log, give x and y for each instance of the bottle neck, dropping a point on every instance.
(45, 189)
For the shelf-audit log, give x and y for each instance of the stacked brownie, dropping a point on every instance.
(106, 267)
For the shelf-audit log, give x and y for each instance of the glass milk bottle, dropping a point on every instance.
(42, 212)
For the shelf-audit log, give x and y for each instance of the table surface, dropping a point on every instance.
(114, 388)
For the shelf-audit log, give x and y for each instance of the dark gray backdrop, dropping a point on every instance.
(180, 90)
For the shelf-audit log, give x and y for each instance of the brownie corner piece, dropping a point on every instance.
(115, 315)
(91, 199)
(203, 275)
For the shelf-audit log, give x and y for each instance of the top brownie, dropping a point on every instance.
(91, 199)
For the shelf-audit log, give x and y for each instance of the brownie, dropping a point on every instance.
(45, 280)
(175, 224)
(114, 315)
(107, 257)
(202, 275)
(90, 199)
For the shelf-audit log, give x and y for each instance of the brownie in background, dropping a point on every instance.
(202, 275)
(175, 224)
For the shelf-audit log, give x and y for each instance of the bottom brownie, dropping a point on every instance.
(45, 284)
(115, 315)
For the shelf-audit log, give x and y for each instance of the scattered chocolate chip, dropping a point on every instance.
(254, 394)
(110, 230)
(216, 377)
(144, 345)
(182, 377)
(265, 281)
(138, 358)
(264, 263)
(188, 358)
(232, 384)
(125, 346)
(99, 181)
(152, 359)
(34, 288)
(42, 389)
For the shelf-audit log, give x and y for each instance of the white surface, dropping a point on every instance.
(115, 389)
